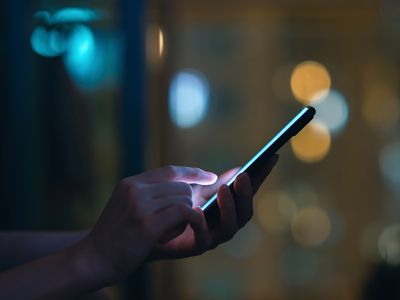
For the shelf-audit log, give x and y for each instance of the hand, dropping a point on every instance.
(143, 210)
(235, 212)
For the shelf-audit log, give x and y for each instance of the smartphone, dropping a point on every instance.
(210, 207)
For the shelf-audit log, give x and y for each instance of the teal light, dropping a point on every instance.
(57, 42)
(40, 42)
(43, 16)
(75, 15)
(82, 58)
(188, 98)
(92, 61)
(68, 15)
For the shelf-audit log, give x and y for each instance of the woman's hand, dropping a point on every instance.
(235, 213)
(150, 208)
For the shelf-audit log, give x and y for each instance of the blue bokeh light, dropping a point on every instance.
(41, 44)
(74, 15)
(82, 59)
(57, 42)
(188, 98)
(333, 111)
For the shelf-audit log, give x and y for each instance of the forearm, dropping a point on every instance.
(68, 274)
(21, 247)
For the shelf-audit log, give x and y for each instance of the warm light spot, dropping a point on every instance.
(381, 107)
(160, 42)
(311, 226)
(389, 244)
(312, 144)
(310, 81)
(275, 211)
(155, 44)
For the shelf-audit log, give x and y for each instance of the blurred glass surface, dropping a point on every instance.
(326, 222)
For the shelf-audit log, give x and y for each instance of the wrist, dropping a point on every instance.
(88, 266)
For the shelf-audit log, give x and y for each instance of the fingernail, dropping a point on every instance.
(212, 175)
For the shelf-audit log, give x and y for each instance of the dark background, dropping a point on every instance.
(98, 97)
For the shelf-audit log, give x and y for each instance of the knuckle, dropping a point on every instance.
(187, 200)
(198, 172)
(129, 186)
(171, 170)
(124, 183)
(186, 188)
(133, 190)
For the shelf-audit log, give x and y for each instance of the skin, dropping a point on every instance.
(154, 215)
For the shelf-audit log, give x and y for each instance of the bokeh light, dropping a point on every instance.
(246, 242)
(381, 106)
(160, 42)
(313, 143)
(389, 162)
(311, 226)
(188, 98)
(40, 42)
(68, 15)
(389, 244)
(310, 81)
(275, 211)
(155, 44)
(332, 111)
(82, 59)
(57, 41)
(298, 266)
(75, 15)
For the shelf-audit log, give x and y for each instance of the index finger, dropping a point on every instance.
(178, 173)
(208, 191)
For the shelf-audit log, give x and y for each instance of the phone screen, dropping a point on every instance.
(210, 207)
